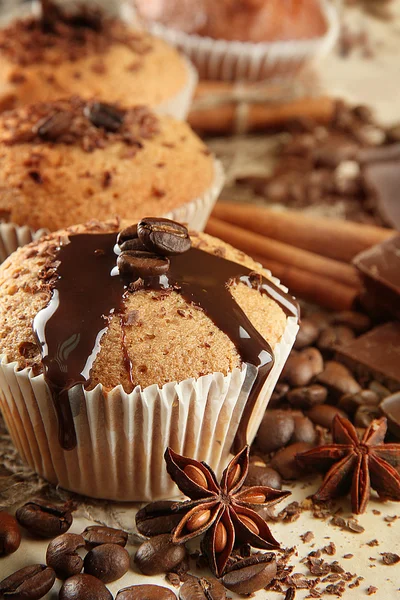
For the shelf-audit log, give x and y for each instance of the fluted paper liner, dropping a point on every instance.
(121, 438)
(246, 61)
(178, 106)
(195, 213)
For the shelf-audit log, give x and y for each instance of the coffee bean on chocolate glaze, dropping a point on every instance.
(146, 592)
(107, 562)
(159, 555)
(44, 520)
(29, 583)
(163, 236)
(53, 127)
(133, 244)
(250, 574)
(84, 587)
(129, 233)
(105, 116)
(62, 555)
(195, 588)
(156, 518)
(302, 367)
(285, 463)
(142, 264)
(10, 535)
(324, 414)
(96, 535)
(275, 431)
(307, 396)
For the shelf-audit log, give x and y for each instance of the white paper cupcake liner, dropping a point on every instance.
(195, 213)
(246, 61)
(178, 106)
(121, 438)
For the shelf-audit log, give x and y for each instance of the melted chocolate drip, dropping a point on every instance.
(89, 290)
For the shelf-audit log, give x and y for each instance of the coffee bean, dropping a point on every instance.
(44, 520)
(104, 115)
(84, 587)
(145, 592)
(29, 583)
(195, 588)
(280, 391)
(275, 430)
(129, 233)
(324, 414)
(107, 562)
(62, 555)
(250, 574)
(156, 518)
(308, 396)
(338, 379)
(96, 535)
(304, 430)
(379, 389)
(358, 322)
(334, 336)
(142, 264)
(307, 335)
(263, 476)
(53, 127)
(365, 415)
(163, 236)
(10, 535)
(159, 555)
(351, 402)
(302, 367)
(285, 463)
(133, 244)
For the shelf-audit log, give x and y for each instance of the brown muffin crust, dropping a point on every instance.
(150, 165)
(86, 53)
(166, 338)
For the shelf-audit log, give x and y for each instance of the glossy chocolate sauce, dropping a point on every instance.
(89, 290)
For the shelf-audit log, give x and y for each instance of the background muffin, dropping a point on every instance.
(163, 340)
(63, 162)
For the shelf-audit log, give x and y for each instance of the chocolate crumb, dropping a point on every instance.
(173, 579)
(390, 558)
(35, 176)
(307, 537)
(107, 178)
(290, 593)
(348, 556)
(371, 590)
(373, 543)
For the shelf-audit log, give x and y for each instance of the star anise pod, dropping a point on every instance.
(222, 511)
(356, 465)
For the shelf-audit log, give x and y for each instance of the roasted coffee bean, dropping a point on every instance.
(44, 520)
(129, 233)
(351, 402)
(250, 574)
(84, 587)
(29, 583)
(304, 430)
(156, 518)
(365, 415)
(133, 244)
(107, 562)
(259, 475)
(334, 336)
(103, 115)
(96, 535)
(308, 396)
(142, 264)
(338, 379)
(163, 236)
(285, 463)
(302, 367)
(358, 322)
(62, 555)
(280, 391)
(159, 555)
(53, 127)
(324, 414)
(195, 588)
(307, 335)
(275, 431)
(10, 535)
(146, 592)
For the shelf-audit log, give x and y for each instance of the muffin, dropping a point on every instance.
(112, 349)
(94, 55)
(64, 161)
(243, 39)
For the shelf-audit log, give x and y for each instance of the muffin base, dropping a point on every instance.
(122, 437)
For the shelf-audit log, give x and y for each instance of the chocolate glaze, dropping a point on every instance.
(89, 290)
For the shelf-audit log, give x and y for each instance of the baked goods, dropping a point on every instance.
(132, 365)
(65, 161)
(93, 55)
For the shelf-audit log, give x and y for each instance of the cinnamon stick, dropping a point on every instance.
(254, 243)
(228, 117)
(333, 238)
(319, 290)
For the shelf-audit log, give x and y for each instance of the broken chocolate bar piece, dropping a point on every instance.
(380, 270)
(382, 177)
(375, 355)
(391, 409)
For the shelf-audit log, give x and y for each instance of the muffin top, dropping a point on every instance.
(242, 20)
(89, 54)
(62, 162)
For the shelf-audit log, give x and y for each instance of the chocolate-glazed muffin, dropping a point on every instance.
(94, 55)
(124, 350)
(61, 162)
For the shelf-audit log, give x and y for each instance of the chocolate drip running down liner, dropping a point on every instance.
(206, 413)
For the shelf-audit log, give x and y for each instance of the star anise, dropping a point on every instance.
(356, 465)
(222, 511)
